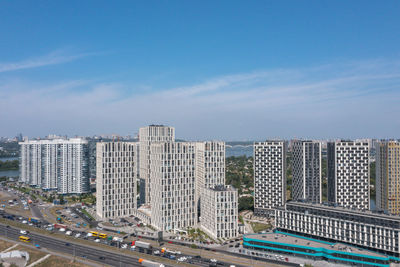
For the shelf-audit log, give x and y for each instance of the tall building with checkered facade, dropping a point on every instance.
(348, 174)
(307, 171)
(269, 176)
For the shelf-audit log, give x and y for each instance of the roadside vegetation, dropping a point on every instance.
(9, 165)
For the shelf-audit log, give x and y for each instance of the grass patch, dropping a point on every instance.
(88, 214)
(5, 245)
(59, 262)
(259, 227)
(34, 254)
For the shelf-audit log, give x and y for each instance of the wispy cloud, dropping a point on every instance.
(53, 58)
(335, 100)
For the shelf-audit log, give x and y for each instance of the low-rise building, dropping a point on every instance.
(370, 230)
(219, 211)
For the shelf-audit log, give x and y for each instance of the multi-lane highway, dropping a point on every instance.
(96, 254)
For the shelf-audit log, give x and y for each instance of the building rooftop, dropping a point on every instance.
(291, 239)
(332, 207)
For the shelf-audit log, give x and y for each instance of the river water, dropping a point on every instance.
(9, 173)
(238, 151)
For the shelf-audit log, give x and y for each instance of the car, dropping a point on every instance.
(97, 240)
(181, 259)
(67, 244)
(30, 224)
(25, 221)
(78, 235)
(68, 232)
(102, 258)
(213, 260)
(156, 252)
(37, 245)
(62, 230)
(23, 232)
(124, 246)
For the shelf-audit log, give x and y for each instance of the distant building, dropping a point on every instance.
(307, 178)
(269, 176)
(175, 167)
(147, 136)
(388, 176)
(348, 174)
(116, 181)
(60, 164)
(219, 211)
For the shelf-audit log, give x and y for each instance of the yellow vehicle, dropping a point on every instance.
(101, 235)
(25, 238)
(95, 234)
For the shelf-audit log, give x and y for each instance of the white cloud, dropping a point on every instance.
(337, 100)
(53, 58)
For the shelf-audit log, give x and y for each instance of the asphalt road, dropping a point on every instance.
(109, 258)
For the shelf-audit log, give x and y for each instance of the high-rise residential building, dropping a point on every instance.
(49, 169)
(116, 179)
(388, 176)
(56, 164)
(306, 164)
(213, 157)
(147, 136)
(219, 211)
(31, 163)
(269, 176)
(348, 174)
(73, 166)
(175, 167)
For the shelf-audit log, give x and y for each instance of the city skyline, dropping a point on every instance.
(248, 72)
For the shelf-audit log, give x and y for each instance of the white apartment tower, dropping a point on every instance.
(147, 136)
(56, 164)
(213, 157)
(175, 167)
(31, 163)
(388, 176)
(219, 211)
(307, 171)
(116, 179)
(348, 174)
(269, 176)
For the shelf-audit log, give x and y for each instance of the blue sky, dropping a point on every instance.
(232, 70)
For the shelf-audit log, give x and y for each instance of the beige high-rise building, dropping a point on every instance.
(116, 179)
(175, 168)
(148, 135)
(219, 211)
(388, 176)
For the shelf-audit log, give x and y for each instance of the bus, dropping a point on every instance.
(95, 234)
(101, 235)
(25, 238)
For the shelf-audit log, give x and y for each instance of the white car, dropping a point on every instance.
(97, 240)
(23, 232)
(157, 252)
(68, 232)
(78, 235)
(181, 259)
(89, 235)
(124, 246)
(213, 260)
(25, 221)
(62, 230)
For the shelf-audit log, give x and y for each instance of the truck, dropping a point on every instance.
(141, 244)
(58, 226)
(148, 263)
(33, 220)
